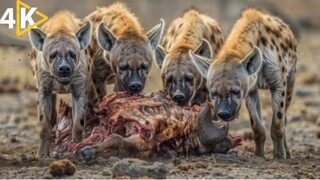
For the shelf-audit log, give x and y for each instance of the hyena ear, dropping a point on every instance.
(84, 35)
(155, 34)
(160, 54)
(253, 61)
(204, 49)
(106, 39)
(202, 63)
(37, 38)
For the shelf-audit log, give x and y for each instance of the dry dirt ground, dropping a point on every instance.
(19, 130)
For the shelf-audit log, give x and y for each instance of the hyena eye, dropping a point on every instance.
(123, 67)
(53, 55)
(169, 80)
(72, 55)
(189, 78)
(235, 92)
(144, 66)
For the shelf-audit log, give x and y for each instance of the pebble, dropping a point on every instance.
(136, 168)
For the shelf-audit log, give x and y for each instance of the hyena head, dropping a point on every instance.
(61, 50)
(229, 80)
(130, 55)
(180, 76)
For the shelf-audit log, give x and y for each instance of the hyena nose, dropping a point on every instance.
(179, 97)
(224, 114)
(64, 71)
(135, 86)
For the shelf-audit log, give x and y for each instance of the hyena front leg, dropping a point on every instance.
(79, 98)
(47, 114)
(278, 122)
(259, 132)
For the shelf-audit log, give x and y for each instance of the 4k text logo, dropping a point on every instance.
(22, 17)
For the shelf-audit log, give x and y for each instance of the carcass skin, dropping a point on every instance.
(148, 125)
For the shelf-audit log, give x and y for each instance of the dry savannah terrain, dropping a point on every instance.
(19, 125)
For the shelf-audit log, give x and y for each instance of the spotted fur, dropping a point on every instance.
(119, 49)
(260, 53)
(59, 42)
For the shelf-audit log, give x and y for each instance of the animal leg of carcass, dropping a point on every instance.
(116, 142)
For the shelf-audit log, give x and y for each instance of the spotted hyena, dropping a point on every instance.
(120, 50)
(60, 66)
(192, 31)
(260, 53)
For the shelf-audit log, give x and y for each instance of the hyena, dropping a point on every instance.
(192, 31)
(260, 53)
(60, 66)
(120, 50)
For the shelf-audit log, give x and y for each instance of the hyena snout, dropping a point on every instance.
(136, 86)
(180, 94)
(179, 97)
(136, 83)
(64, 71)
(224, 111)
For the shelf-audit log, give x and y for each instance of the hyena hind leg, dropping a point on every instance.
(259, 132)
(290, 86)
(278, 122)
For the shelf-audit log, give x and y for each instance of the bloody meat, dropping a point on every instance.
(136, 124)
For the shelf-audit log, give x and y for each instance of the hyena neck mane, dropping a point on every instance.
(246, 34)
(121, 21)
(62, 21)
(191, 32)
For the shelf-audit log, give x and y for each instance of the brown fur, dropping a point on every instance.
(184, 34)
(60, 32)
(260, 53)
(62, 21)
(132, 47)
(115, 17)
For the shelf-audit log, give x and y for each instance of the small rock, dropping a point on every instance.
(137, 168)
(295, 118)
(176, 161)
(62, 167)
(318, 134)
(114, 159)
(24, 158)
(312, 102)
(14, 140)
(217, 173)
(106, 172)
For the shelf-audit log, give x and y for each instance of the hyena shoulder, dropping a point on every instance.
(256, 28)
(189, 30)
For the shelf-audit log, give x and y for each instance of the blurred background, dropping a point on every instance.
(17, 93)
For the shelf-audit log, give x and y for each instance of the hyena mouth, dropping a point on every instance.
(64, 80)
(228, 119)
